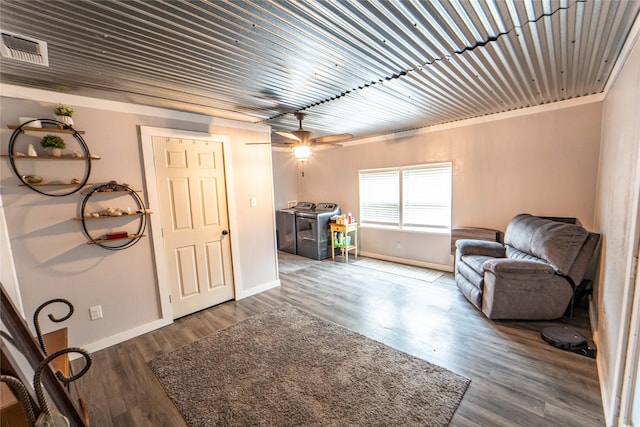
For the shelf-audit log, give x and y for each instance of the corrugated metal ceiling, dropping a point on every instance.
(363, 67)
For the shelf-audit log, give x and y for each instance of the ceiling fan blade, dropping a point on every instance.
(329, 139)
(327, 145)
(288, 135)
(273, 144)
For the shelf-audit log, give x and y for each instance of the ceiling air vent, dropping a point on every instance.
(24, 49)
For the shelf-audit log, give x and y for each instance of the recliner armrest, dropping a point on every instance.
(480, 247)
(507, 267)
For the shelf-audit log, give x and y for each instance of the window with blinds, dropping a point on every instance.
(380, 197)
(410, 197)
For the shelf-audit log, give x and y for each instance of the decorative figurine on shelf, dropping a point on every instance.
(53, 143)
(31, 122)
(63, 114)
(116, 235)
(109, 212)
(31, 179)
(112, 186)
(31, 151)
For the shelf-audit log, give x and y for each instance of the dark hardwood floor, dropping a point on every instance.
(517, 379)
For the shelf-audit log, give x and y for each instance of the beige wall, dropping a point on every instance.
(51, 257)
(285, 178)
(616, 218)
(542, 163)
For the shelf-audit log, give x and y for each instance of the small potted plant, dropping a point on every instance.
(53, 143)
(63, 114)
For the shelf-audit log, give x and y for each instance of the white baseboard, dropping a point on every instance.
(257, 289)
(610, 419)
(123, 336)
(414, 262)
(157, 324)
(593, 322)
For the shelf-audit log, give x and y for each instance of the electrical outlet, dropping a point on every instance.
(254, 201)
(398, 245)
(95, 313)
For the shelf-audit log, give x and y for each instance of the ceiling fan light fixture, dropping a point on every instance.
(301, 152)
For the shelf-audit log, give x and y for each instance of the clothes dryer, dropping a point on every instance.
(286, 226)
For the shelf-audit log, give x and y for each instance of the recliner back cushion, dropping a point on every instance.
(514, 253)
(556, 242)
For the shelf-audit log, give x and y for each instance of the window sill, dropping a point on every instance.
(417, 230)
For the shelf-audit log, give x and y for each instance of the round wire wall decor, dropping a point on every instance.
(60, 127)
(115, 243)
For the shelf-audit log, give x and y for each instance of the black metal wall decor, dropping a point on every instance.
(51, 126)
(114, 241)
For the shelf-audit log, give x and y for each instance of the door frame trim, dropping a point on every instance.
(155, 225)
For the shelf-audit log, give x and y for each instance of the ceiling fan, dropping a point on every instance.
(300, 140)
(304, 136)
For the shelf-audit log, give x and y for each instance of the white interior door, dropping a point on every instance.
(193, 209)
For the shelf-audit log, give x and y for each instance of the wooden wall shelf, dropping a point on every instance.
(109, 192)
(111, 216)
(129, 237)
(69, 130)
(60, 184)
(48, 157)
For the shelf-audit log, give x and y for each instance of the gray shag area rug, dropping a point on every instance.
(286, 367)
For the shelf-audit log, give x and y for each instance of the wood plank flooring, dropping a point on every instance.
(517, 379)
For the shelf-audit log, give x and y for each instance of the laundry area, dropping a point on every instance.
(304, 229)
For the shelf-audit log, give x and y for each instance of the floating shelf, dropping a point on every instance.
(69, 130)
(48, 157)
(109, 216)
(110, 192)
(60, 184)
(101, 241)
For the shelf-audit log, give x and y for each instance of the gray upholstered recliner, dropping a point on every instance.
(533, 275)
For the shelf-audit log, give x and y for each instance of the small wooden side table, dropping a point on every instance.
(344, 247)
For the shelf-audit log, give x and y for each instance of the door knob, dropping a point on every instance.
(225, 232)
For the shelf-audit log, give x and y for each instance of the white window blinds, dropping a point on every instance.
(408, 197)
(380, 197)
(426, 200)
